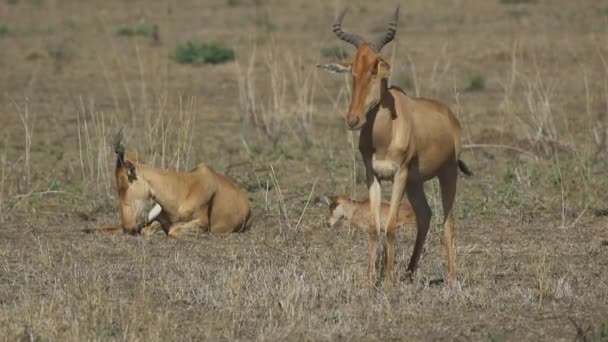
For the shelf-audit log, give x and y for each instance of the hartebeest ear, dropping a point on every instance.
(131, 173)
(133, 156)
(381, 68)
(336, 68)
(325, 199)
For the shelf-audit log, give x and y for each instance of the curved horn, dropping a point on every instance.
(379, 42)
(347, 37)
(119, 148)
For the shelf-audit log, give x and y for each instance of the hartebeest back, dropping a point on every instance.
(408, 140)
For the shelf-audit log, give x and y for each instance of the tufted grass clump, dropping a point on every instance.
(202, 53)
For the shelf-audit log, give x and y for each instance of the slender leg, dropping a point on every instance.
(415, 193)
(371, 254)
(150, 229)
(399, 182)
(375, 200)
(447, 182)
(179, 229)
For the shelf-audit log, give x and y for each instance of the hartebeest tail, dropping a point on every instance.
(464, 168)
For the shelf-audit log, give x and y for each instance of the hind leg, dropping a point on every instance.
(417, 198)
(447, 182)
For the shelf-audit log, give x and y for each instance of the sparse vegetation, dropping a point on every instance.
(142, 29)
(202, 53)
(289, 108)
(263, 21)
(477, 83)
(519, 13)
(4, 30)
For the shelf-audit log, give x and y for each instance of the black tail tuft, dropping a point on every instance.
(464, 168)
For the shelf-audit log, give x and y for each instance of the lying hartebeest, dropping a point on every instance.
(358, 214)
(196, 199)
(406, 139)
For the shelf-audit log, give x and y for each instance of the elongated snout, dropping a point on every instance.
(352, 121)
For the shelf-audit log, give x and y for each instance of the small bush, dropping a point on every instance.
(144, 29)
(4, 30)
(518, 13)
(334, 52)
(477, 83)
(517, 2)
(202, 53)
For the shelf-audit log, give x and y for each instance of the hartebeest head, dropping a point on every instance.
(337, 208)
(368, 70)
(133, 192)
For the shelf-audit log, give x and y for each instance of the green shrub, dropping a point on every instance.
(477, 83)
(143, 29)
(202, 53)
(4, 30)
(518, 13)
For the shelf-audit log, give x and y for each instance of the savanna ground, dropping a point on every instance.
(528, 80)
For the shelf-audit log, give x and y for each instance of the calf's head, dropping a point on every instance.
(338, 211)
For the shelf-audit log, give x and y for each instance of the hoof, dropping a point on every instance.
(407, 277)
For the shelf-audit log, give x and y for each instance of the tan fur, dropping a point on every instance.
(357, 213)
(407, 140)
(199, 199)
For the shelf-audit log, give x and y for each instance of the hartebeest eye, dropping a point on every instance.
(131, 174)
(374, 69)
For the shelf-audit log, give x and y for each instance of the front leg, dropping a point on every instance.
(399, 182)
(375, 200)
(150, 229)
(177, 230)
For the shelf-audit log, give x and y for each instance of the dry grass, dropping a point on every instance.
(532, 232)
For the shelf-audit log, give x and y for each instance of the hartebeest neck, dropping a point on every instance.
(386, 141)
(378, 126)
(164, 187)
(386, 99)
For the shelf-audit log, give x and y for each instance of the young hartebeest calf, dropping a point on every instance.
(358, 214)
(195, 199)
(406, 139)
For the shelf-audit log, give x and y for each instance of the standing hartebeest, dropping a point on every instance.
(408, 140)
